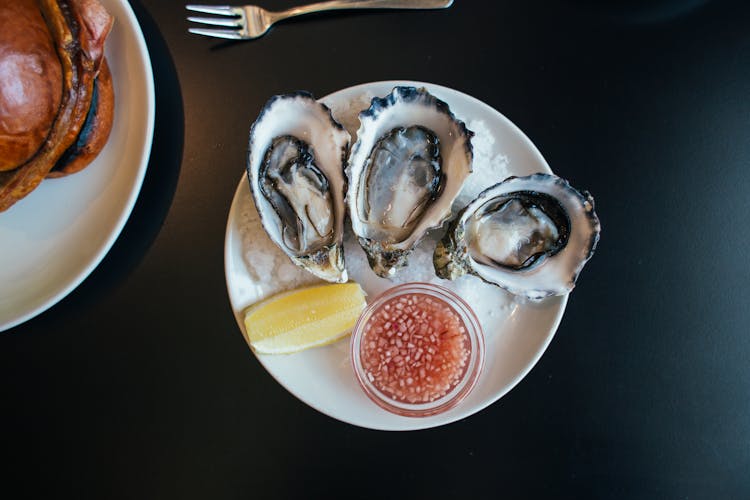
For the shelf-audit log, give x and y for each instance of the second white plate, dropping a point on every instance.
(517, 332)
(52, 239)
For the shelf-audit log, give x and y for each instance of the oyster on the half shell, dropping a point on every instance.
(408, 164)
(295, 166)
(530, 235)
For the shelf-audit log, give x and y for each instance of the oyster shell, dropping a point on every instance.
(295, 166)
(409, 162)
(530, 235)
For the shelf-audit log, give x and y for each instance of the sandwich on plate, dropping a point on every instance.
(56, 92)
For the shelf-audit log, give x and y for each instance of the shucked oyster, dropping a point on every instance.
(407, 166)
(296, 171)
(530, 235)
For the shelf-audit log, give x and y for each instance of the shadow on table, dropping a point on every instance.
(156, 193)
(642, 11)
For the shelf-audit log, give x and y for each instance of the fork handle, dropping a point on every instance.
(363, 4)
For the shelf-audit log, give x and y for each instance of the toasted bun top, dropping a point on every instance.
(30, 81)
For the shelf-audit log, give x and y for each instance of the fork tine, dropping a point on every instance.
(228, 34)
(216, 21)
(219, 10)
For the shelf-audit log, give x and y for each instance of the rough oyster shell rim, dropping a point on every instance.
(332, 254)
(386, 258)
(452, 258)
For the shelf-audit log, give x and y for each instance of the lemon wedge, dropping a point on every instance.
(304, 318)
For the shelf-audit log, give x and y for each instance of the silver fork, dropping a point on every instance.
(246, 22)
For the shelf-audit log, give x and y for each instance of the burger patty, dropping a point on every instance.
(95, 131)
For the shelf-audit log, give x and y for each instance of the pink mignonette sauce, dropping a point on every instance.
(415, 347)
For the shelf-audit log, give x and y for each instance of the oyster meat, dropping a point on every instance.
(295, 167)
(409, 162)
(530, 235)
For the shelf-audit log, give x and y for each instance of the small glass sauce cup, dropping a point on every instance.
(417, 350)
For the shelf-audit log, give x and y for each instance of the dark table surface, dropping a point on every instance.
(139, 384)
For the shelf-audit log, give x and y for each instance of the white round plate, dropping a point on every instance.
(52, 239)
(517, 332)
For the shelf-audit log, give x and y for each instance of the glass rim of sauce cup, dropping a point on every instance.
(470, 375)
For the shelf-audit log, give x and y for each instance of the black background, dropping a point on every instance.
(140, 385)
